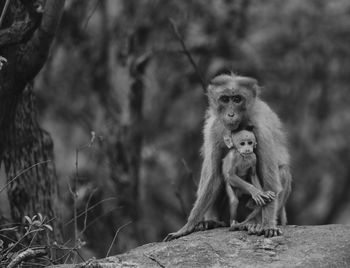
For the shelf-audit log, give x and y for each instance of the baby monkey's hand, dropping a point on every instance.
(269, 196)
(262, 198)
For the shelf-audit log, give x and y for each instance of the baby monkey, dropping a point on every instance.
(239, 170)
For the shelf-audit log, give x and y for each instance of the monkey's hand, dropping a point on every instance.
(185, 230)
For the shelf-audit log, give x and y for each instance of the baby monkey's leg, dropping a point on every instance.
(233, 203)
(253, 221)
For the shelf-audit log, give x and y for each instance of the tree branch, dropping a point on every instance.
(35, 52)
(188, 53)
(21, 30)
(52, 15)
(18, 33)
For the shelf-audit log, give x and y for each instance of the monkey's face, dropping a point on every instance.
(231, 97)
(231, 108)
(244, 141)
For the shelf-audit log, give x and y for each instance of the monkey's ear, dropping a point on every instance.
(249, 83)
(220, 80)
(228, 141)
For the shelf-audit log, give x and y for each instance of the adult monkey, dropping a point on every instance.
(233, 104)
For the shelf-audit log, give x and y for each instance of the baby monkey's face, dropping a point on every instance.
(244, 141)
(245, 146)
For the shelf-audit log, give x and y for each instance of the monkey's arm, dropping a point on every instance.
(210, 183)
(267, 153)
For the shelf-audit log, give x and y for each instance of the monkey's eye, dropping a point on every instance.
(237, 99)
(242, 143)
(250, 142)
(224, 99)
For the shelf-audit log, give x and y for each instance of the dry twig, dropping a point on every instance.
(27, 255)
(21, 172)
(4, 11)
(115, 236)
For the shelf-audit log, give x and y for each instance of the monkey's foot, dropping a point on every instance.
(238, 226)
(210, 224)
(271, 231)
(251, 227)
(185, 230)
(173, 236)
(233, 223)
(254, 229)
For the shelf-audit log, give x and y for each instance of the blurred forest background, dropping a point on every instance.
(118, 70)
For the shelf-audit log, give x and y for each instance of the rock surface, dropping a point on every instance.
(300, 246)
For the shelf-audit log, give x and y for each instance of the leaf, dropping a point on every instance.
(29, 220)
(2, 59)
(49, 227)
(37, 223)
(2, 62)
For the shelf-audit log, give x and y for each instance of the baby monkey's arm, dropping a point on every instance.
(267, 195)
(260, 197)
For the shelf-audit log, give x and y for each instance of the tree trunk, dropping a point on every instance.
(124, 154)
(30, 148)
(124, 134)
(25, 38)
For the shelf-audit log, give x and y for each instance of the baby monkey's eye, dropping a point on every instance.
(250, 142)
(237, 99)
(224, 99)
(242, 143)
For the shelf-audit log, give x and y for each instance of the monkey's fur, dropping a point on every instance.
(233, 102)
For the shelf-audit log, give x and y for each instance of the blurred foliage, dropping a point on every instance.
(297, 49)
